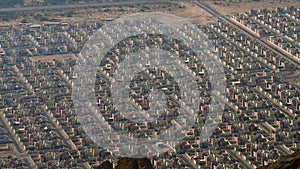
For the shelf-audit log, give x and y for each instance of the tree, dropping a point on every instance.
(24, 20)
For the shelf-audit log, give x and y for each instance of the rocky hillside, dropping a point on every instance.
(289, 162)
(128, 163)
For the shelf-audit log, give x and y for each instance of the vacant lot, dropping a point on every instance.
(193, 13)
(185, 10)
(84, 14)
(290, 76)
(52, 58)
(182, 9)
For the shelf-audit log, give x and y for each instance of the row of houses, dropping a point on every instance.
(280, 26)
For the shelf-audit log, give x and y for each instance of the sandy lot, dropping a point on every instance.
(52, 58)
(88, 14)
(185, 10)
(194, 14)
(290, 76)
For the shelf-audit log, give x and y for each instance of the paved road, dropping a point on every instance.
(85, 5)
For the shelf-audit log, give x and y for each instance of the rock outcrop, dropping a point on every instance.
(127, 163)
(105, 165)
(289, 162)
(134, 163)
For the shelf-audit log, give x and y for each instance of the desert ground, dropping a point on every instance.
(193, 13)
(185, 10)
